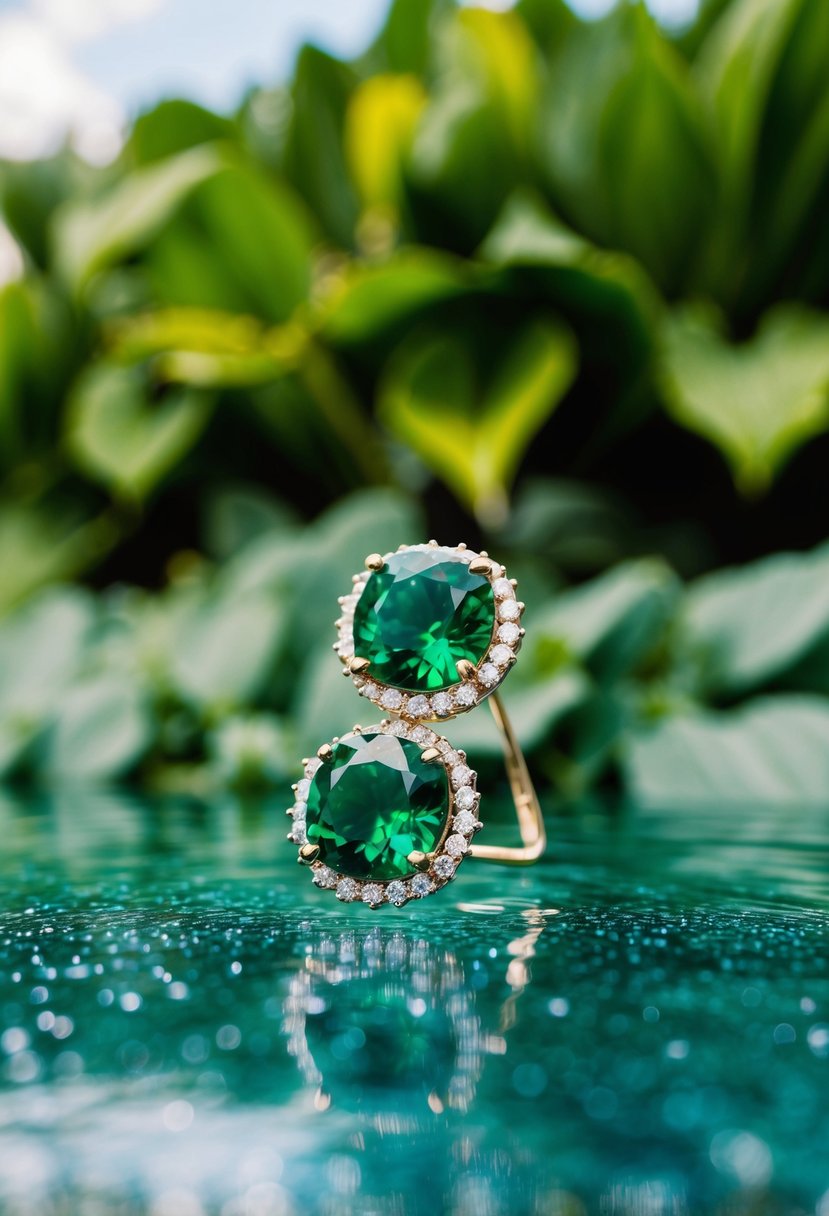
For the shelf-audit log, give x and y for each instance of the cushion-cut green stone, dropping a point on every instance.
(375, 803)
(419, 615)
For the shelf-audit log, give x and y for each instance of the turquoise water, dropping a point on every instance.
(640, 1024)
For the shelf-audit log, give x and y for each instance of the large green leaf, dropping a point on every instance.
(611, 624)
(473, 139)
(367, 299)
(751, 626)
(624, 143)
(102, 728)
(313, 157)
(42, 543)
(474, 436)
(758, 401)
(775, 749)
(91, 235)
(171, 127)
(120, 438)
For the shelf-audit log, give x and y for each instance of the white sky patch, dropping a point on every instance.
(81, 20)
(44, 98)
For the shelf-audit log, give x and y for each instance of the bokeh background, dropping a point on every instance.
(548, 279)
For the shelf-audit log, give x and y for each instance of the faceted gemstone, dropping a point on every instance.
(421, 614)
(376, 802)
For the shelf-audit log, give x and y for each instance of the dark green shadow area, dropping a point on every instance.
(640, 1024)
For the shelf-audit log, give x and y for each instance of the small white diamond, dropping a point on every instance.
(347, 889)
(392, 698)
(397, 728)
(466, 695)
(299, 810)
(324, 877)
(503, 588)
(465, 822)
(465, 798)
(298, 833)
(303, 789)
(444, 866)
(422, 884)
(508, 610)
(451, 758)
(312, 766)
(509, 633)
(500, 655)
(417, 707)
(422, 734)
(489, 675)
(455, 846)
(442, 704)
(460, 775)
(396, 892)
(372, 894)
(370, 690)
(346, 646)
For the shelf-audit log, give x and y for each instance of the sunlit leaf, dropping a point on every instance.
(101, 730)
(379, 125)
(758, 401)
(761, 623)
(474, 436)
(171, 127)
(121, 438)
(774, 750)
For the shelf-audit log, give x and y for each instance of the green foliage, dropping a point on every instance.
(562, 283)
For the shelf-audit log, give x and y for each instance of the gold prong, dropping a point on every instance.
(357, 665)
(480, 565)
(305, 760)
(431, 753)
(356, 729)
(308, 853)
(325, 753)
(419, 860)
(465, 669)
(374, 561)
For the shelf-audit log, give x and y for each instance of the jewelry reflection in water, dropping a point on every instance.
(386, 813)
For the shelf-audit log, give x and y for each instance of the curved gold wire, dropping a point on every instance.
(527, 808)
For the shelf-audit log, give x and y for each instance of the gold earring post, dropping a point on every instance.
(527, 808)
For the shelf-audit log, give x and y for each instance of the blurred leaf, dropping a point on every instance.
(775, 749)
(250, 751)
(90, 235)
(757, 402)
(223, 650)
(472, 437)
(31, 191)
(101, 730)
(39, 545)
(611, 624)
(735, 69)
(260, 243)
(573, 524)
(638, 123)
(41, 651)
(173, 126)
(549, 22)
(379, 126)
(313, 154)
(236, 515)
(367, 299)
(755, 625)
(473, 139)
(123, 440)
(403, 44)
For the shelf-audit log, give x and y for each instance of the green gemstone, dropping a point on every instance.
(376, 802)
(421, 614)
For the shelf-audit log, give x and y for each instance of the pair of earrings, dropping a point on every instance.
(386, 813)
